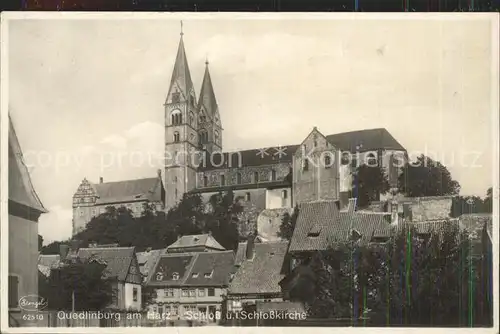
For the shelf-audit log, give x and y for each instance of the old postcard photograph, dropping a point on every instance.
(243, 170)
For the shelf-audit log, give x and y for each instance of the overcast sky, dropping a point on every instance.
(81, 89)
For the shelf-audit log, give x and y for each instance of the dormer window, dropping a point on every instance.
(159, 276)
(314, 231)
(209, 275)
(176, 97)
(195, 275)
(355, 235)
(175, 276)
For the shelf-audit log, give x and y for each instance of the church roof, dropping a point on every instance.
(21, 189)
(181, 76)
(371, 139)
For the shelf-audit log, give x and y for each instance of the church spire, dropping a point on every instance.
(181, 76)
(207, 99)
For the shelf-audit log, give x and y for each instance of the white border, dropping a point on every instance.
(6, 16)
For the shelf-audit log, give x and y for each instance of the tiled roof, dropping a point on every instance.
(320, 225)
(129, 191)
(117, 259)
(263, 272)
(49, 260)
(219, 265)
(147, 260)
(188, 241)
(371, 139)
(21, 189)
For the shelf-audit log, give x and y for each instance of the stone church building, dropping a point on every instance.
(268, 181)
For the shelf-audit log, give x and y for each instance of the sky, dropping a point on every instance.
(86, 96)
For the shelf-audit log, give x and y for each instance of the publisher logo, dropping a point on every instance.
(32, 303)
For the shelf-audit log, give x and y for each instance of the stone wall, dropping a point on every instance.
(269, 221)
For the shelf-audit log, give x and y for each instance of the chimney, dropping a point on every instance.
(352, 205)
(250, 247)
(101, 180)
(63, 251)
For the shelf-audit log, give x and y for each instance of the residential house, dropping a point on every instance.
(260, 268)
(92, 199)
(147, 260)
(121, 266)
(190, 284)
(25, 208)
(195, 243)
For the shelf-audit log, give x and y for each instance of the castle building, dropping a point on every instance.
(269, 181)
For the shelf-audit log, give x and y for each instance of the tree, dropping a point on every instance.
(288, 223)
(426, 177)
(85, 280)
(53, 247)
(40, 243)
(488, 201)
(370, 181)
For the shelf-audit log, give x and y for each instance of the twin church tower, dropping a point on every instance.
(191, 125)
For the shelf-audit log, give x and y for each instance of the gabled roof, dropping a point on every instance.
(52, 260)
(199, 240)
(177, 269)
(371, 139)
(117, 259)
(21, 189)
(181, 76)
(334, 226)
(147, 260)
(129, 191)
(263, 272)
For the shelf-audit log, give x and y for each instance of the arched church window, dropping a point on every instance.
(222, 180)
(176, 137)
(203, 136)
(216, 135)
(256, 177)
(203, 117)
(273, 175)
(176, 117)
(191, 118)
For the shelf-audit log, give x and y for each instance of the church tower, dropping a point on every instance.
(209, 126)
(181, 131)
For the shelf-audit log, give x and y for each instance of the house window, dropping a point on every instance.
(160, 309)
(238, 178)
(175, 179)
(256, 177)
(247, 197)
(13, 291)
(175, 276)
(185, 292)
(222, 180)
(192, 293)
(315, 143)
(273, 175)
(169, 292)
(177, 137)
(134, 294)
(354, 163)
(305, 165)
(371, 159)
(284, 194)
(176, 117)
(81, 213)
(94, 212)
(176, 97)
(175, 309)
(328, 161)
(205, 181)
(201, 292)
(211, 292)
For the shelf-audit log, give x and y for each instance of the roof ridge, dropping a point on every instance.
(129, 180)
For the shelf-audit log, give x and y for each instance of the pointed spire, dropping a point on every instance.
(181, 76)
(207, 94)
